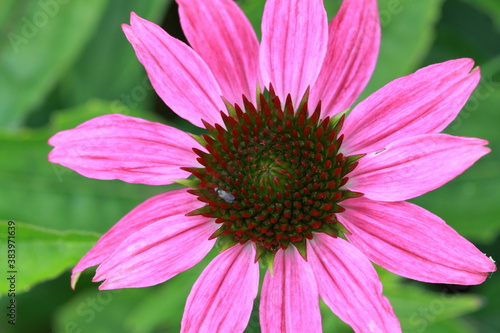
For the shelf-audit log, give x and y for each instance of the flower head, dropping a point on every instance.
(282, 176)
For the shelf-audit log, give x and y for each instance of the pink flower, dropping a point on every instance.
(281, 173)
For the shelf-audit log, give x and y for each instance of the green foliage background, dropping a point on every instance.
(65, 61)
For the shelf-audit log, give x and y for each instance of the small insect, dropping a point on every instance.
(228, 197)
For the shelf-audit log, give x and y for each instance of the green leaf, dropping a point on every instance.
(465, 31)
(46, 194)
(110, 56)
(43, 39)
(490, 7)
(417, 309)
(450, 326)
(6, 8)
(101, 311)
(407, 34)
(39, 254)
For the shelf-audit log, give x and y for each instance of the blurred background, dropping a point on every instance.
(66, 61)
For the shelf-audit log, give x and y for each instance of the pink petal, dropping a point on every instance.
(294, 42)
(222, 298)
(180, 77)
(349, 285)
(157, 252)
(353, 44)
(224, 38)
(289, 298)
(159, 207)
(126, 148)
(411, 167)
(410, 241)
(420, 103)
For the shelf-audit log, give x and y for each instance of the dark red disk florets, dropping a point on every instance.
(273, 174)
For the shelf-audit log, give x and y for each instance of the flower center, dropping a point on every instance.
(273, 175)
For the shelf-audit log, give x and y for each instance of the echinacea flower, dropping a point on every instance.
(282, 176)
